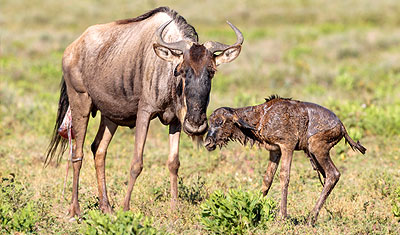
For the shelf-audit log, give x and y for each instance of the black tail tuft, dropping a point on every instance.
(353, 144)
(361, 148)
(57, 142)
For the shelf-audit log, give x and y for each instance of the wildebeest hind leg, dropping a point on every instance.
(320, 150)
(99, 149)
(142, 125)
(274, 157)
(80, 108)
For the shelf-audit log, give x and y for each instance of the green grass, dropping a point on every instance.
(343, 55)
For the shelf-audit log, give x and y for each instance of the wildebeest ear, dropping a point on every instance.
(242, 124)
(167, 54)
(228, 55)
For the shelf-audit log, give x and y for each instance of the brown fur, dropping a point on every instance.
(283, 126)
(114, 68)
(198, 57)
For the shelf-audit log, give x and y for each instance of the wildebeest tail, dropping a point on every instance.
(58, 145)
(353, 144)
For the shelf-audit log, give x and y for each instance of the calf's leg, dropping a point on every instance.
(274, 157)
(99, 149)
(287, 155)
(321, 152)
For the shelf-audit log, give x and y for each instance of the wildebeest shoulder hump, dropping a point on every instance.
(144, 16)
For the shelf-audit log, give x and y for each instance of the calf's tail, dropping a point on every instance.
(57, 142)
(353, 144)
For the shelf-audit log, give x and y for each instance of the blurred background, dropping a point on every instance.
(344, 55)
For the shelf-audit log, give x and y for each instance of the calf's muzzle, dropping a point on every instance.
(209, 143)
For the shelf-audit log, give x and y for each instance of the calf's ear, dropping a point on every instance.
(242, 124)
(228, 55)
(167, 54)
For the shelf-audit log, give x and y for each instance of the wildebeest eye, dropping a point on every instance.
(211, 73)
(176, 72)
(218, 122)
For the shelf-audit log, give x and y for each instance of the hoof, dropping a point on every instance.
(126, 207)
(72, 219)
(283, 216)
(106, 209)
(174, 205)
(311, 221)
(74, 211)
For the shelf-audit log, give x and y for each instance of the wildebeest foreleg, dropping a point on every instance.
(274, 157)
(142, 126)
(287, 155)
(173, 161)
(99, 149)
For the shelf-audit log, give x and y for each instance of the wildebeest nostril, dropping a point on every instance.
(195, 129)
(203, 127)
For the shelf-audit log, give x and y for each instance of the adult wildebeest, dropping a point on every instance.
(133, 71)
(283, 126)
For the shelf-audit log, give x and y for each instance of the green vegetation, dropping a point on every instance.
(341, 54)
(396, 203)
(236, 212)
(194, 192)
(17, 212)
(120, 223)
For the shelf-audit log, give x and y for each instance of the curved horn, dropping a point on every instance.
(179, 45)
(217, 46)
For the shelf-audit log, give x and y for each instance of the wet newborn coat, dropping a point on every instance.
(282, 126)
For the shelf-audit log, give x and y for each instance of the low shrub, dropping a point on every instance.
(122, 222)
(18, 213)
(236, 212)
(195, 192)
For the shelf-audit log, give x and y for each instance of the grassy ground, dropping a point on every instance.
(341, 54)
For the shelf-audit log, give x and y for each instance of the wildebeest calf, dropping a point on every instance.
(283, 125)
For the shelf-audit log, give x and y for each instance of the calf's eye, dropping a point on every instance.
(218, 122)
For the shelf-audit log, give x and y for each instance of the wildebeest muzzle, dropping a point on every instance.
(195, 129)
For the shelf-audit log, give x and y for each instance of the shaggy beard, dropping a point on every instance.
(197, 141)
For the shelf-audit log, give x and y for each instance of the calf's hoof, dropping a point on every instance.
(174, 204)
(311, 221)
(283, 216)
(126, 206)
